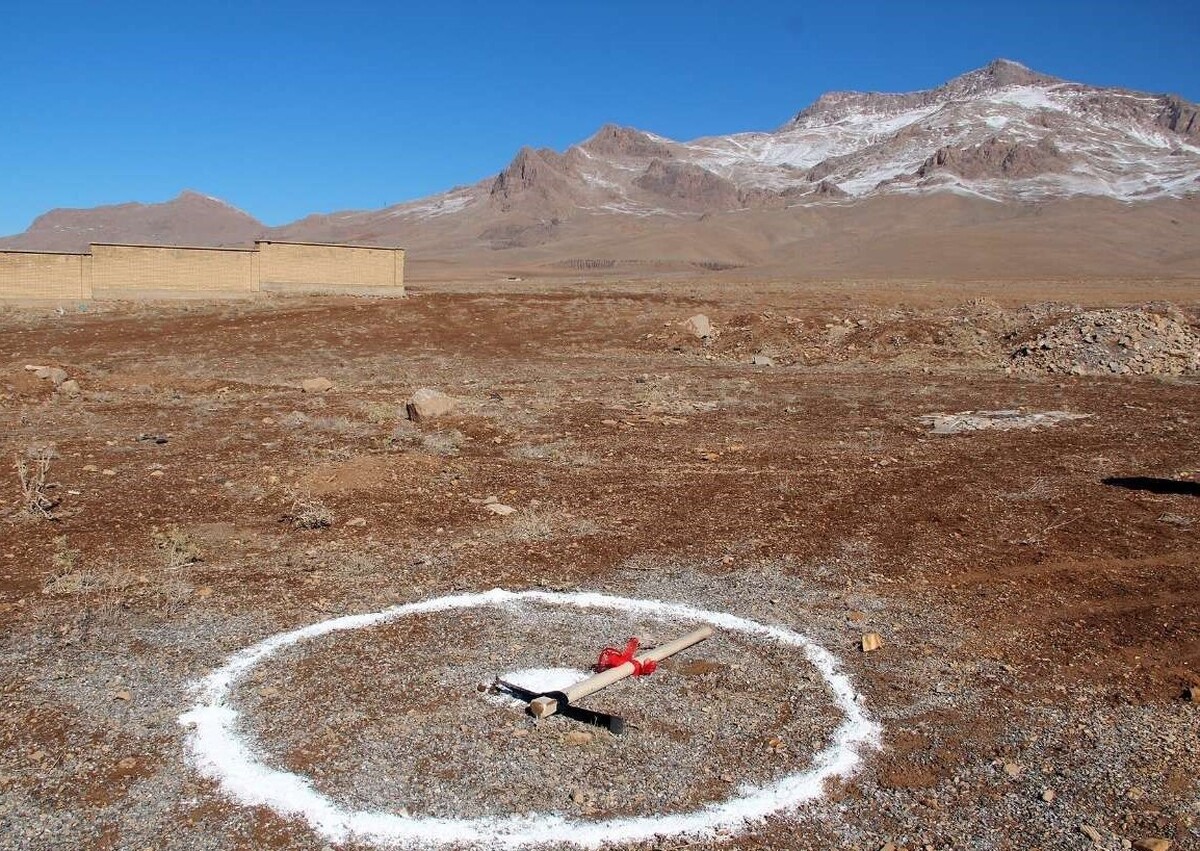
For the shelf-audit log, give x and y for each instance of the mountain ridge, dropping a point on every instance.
(1003, 135)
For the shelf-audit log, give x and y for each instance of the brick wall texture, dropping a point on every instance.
(30, 275)
(143, 272)
(291, 266)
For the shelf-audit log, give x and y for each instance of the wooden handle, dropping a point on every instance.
(543, 706)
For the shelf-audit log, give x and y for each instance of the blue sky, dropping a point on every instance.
(286, 109)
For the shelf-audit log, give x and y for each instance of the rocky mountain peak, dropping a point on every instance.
(616, 141)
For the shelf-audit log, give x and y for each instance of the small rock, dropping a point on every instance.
(762, 360)
(1192, 694)
(70, 387)
(871, 641)
(108, 472)
(426, 404)
(699, 326)
(123, 694)
(1048, 795)
(578, 737)
(1091, 833)
(1135, 793)
(500, 508)
(127, 763)
(357, 521)
(56, 375)
(1012, 769)
(578, 796)
(316, 385)
(726, 778)
(1153, 843)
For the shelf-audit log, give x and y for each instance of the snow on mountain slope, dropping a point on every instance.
(1002, 132)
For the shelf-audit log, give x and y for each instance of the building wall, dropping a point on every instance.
(309, 267)
(30, 275)
(150, 271)
(136, 271)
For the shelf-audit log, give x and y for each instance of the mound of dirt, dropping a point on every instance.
(1103, 342)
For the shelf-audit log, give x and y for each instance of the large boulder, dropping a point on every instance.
(316, 385)
(427, 403)
(700, 326)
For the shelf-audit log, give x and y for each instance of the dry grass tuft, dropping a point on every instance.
(179, 549)
(69, 578)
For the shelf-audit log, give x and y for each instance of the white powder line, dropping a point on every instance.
(222, 754)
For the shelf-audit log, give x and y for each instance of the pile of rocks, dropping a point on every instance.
(1108, 342)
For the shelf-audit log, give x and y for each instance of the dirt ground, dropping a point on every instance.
(1040, 625)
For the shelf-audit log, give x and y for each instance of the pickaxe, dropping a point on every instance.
(545, 704)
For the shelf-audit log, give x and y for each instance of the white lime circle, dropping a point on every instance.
(221, 753)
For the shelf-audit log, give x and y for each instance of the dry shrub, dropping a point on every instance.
(308, 512)
(32, 473)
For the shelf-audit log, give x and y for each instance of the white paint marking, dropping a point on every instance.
(222, 754)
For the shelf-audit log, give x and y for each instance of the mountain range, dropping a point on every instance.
(1000, 171)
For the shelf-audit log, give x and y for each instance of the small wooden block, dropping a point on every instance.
(543, 707)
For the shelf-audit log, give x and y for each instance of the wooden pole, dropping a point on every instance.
(542, 707)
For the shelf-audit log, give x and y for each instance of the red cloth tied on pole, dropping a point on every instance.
(611, 657)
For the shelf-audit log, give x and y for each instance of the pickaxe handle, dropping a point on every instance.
(544, 706)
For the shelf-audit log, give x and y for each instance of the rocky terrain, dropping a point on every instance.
(998, 551)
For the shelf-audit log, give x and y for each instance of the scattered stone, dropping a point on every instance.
(579, 737)
(55, 374)
(700, 326)
(1113, 342)
(1002, 420)
(427, 403)
(500, 508)
(316, 385)
(871, 641)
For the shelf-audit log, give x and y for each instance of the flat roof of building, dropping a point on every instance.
(327, 244)
(36, 251)
(187, 247)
